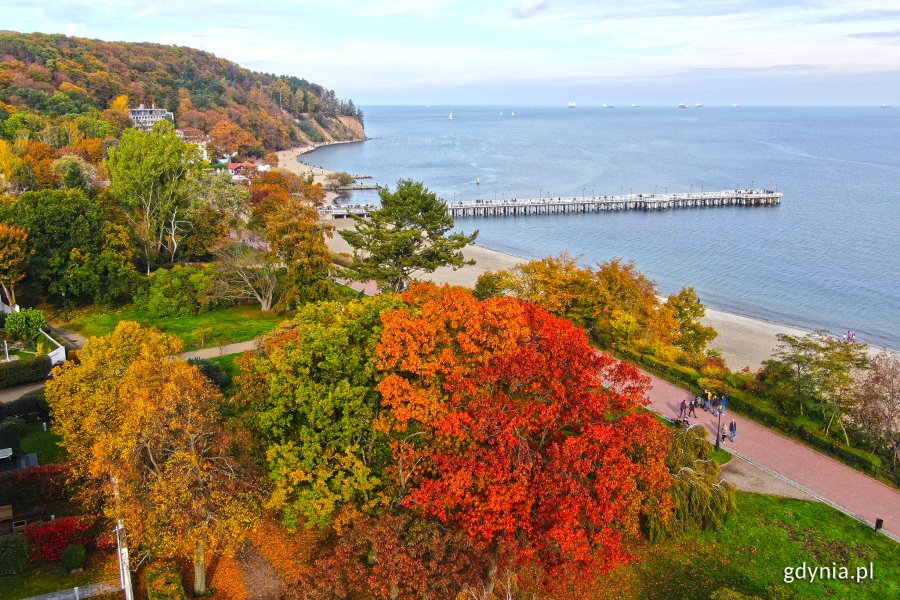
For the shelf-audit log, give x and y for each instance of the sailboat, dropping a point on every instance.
(450, 118)
(572, 104)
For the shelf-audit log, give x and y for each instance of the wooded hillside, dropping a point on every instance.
(56, 75)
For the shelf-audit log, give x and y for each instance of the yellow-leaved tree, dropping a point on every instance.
(143, 430)
(14, 255)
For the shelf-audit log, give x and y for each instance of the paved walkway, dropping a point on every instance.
(800, 466)
(235, 348)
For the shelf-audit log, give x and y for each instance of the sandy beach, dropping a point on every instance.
(744, 341)
(292, 160)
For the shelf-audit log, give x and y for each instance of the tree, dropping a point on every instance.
(815, 372)
(151, 177)
(310, 392)
(14, 256)
(245, 272)
(297, 239)
(507, 425)
(701, 500)
(26, 324)
(144, 431)
(877, 403)
(407, 235)
(616, 303)
(691, 335)
(106, 274)
(228, 137)
(57, 222)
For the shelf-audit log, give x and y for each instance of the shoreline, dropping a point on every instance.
(290, 160)
(744, 341)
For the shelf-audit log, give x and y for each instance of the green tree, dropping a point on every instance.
(691, 334)
(179, 291)
(409, 234)
(106, 274)
(57, 222)
(26, 324)
(150, 176)
(310, 393)
(815, 373)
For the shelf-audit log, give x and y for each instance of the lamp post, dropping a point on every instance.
(65, 308)
(719, 428)
(582, 193)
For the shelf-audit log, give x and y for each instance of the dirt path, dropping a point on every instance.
(262, 580)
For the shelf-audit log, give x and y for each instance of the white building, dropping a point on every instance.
(145, 118)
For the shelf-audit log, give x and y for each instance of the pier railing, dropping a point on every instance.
(584, 204)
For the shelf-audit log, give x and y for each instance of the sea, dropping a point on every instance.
(827, 258)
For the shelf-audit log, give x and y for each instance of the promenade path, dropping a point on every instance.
(814, 473)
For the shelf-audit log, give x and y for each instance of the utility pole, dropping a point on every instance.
(122, 547)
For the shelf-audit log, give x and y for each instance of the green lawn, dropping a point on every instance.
(227, 363)
(45, 443)
(225, 326)
(52, 578)
(765, 535)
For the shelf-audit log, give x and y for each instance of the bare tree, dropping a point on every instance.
(247, 273)
(877, 392)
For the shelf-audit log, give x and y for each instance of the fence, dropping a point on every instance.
(57, 356)
(77, 593)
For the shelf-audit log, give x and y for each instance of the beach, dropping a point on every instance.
(743, 341)
(291, 160)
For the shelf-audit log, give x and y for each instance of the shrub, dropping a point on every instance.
(178, 292)
(46, 541)
(310, 130)
(24, 370)
(73, 556)
(25, 324)
(164, 583)
(13, 554)
(27, 488)
(11, 429)
(213, 371)
(30, 406)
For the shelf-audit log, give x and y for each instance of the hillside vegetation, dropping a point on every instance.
(50, 76)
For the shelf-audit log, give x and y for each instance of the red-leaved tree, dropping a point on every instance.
(46, 541)
(507, 425)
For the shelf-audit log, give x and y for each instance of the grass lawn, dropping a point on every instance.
(45, 443)
(225, 326)
(763, 536)
(227, 363)
(53, 577)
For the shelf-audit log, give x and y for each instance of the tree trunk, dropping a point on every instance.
(844, 429)
(491, 579)
(200, 569)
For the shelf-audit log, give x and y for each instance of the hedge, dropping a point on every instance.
(13, 554)
(48, 540)
(24, 370)
(31, 406)
(164, 583)
(34, 486)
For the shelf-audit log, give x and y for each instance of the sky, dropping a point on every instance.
(525, 52)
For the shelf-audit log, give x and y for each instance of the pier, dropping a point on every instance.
(584, 204)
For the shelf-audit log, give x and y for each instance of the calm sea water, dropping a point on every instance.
(828, 257)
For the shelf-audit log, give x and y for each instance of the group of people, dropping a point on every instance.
(709, 402)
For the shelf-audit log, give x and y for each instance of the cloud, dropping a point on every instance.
(529, 8)
(876, 34)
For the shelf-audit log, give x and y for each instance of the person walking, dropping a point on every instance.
(722, 403)
(692, 408)
(732, 430)
(682, 414)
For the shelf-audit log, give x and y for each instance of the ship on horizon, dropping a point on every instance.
(682, 106)
(572, 104)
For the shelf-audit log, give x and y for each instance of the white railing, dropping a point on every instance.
(58, 355)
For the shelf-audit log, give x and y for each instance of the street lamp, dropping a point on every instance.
(582, 193)
(65, 308)
(719, 428)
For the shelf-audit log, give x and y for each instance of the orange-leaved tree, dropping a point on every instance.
(506, 424)
(143, 430)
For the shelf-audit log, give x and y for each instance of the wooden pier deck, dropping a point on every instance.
(585, 204)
